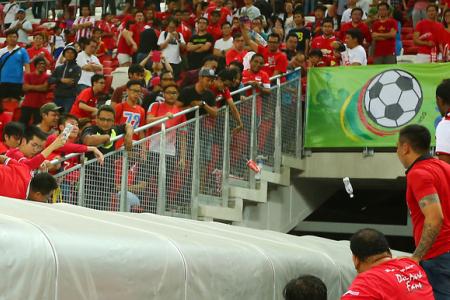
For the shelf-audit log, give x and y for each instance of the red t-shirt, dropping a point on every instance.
(361, 26)
(185, 30)
(32, 52)
(16, 175)
(68, 147)
(274, 61)
(324, 44)
(234, 55)
(87, 97)
(134, 115)
(396, 279)
(136, 29)
(160, 109)
(33, 163)
(35, 99)
(109, 41)
(426, 177)
(5, 118)
(3, 148)
(215, 30)
(224, 12)
(428, 31)
(222, 97)
(384, 47)
(261, 77)
(123, 47)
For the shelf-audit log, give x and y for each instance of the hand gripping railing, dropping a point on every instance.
(196, 160)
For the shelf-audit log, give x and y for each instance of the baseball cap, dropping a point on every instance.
(206, 72)
(70, 47)
(46, 108)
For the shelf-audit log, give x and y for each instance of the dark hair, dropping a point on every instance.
(256, 55)
(63, 119)
(203, 18)
(134, 82)
(225, 23)
(107, 108)
(225, 75)
(33, 131)
(298, 11)
(358, 9)
(322, 8)
(96, 29)
(305, 287)
(328, 20)
(43, 183)
(237, 35)
(417, 136)
(443, 91)
(383, 4)
(88, 41)
(38, 60)
(41, 34)
(14, 129)
(443, 21)
(174, 21)
(433, 5)
(368, 242)
(292, 34)
(234, 73)
(273, 34)
(316, 52)
(12, 32)
(209, 57)
(355, 33)
(163, 72)
(173, 84)
(128, 24)
(96, 77)
(237, 64)
(83, 6)
(135, 69)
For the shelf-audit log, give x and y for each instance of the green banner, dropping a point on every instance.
(367, 106)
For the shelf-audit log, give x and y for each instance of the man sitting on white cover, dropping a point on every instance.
(352, 53)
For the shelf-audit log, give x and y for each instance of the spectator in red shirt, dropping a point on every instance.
(275, 61)
(49, 118)
(325, 42)
(384, 31)
(35, 87)
(101, 50)
(85, 105)
(316, 26)
(255, 76)
(39, 51)
(126, 46)
(214, 27)
(381, 276)
(356, 22)
(427, 196)
(130, 111)
(138, 27)
(426, 35)
(135, 72)
(12, 135)
(108, 35)
(218, 5)
(238, 52)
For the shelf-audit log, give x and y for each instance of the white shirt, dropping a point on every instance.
(82, 60)
(347, 16)
(443, 136)
(172, 51)
(12, 9)
(355, 55)
(223, 45)
(22, 34)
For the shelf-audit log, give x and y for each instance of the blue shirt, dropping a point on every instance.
(12, 71)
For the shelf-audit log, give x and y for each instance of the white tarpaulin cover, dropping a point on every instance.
(60, 251)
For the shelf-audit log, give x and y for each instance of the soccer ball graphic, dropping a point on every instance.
(393, 98)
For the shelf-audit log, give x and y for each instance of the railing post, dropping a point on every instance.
(278, 141)
(253, 139)
(124, 183)
(196, 168)
(299, 137)
(226, 158)
(82, 180)
(162, 199)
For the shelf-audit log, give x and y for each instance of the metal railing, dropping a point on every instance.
(173, 171)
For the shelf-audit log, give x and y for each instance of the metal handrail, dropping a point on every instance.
(165, 119)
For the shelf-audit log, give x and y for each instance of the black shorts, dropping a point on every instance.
(10, 90)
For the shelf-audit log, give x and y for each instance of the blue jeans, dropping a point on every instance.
(438, 272)
(65, 103)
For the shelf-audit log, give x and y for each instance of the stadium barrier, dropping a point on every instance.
(173, 171)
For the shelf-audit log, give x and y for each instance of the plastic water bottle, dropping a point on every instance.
(348, 186)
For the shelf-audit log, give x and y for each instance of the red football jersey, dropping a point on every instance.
(234, 55)
(86, 96)
(274, 61)
(384, 47)
(133, 115)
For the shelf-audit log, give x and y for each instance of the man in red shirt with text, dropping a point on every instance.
(130, 111)
(428, 199)
(85, 105)
(427, 34)
(382, 277)
(275, 61)
(384, 31)
(237, 52)
(356, 22)
(39, 51)
(35, 86)
(325, 42)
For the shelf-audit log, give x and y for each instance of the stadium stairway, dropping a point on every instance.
(282, 201)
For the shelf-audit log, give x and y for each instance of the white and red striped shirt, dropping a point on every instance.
(87, 31)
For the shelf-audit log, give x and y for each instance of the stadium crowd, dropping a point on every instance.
(195, 54)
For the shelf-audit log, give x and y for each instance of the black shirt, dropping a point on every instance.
(303, 35)
(189, 94)
(95, 130)
(150, 41)
(195, 58)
